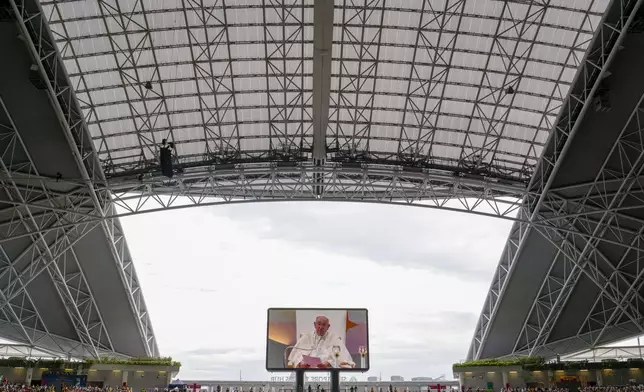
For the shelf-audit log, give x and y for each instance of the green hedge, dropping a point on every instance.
(536, 363)
(579, 365)
(62, 364)
(527, 361)
(164, 361)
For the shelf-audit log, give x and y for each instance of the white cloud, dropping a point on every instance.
(209, 274)
(465, 245)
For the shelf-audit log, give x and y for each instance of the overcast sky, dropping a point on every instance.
(210, 273)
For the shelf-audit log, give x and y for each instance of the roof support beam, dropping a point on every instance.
(322, 42)
(602, 353)
(602, 51)
(68, 278)
(583, 261)
(242, 185)
(40, 43)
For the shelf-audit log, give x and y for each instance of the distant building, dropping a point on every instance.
(372, 379)
(422, 379)
(397, 378)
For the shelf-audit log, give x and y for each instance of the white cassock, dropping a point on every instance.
(320, 346)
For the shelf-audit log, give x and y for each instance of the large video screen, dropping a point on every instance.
(317, 339)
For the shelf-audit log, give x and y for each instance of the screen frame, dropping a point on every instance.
(324, 370)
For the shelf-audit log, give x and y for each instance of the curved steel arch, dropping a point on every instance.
(203, 187)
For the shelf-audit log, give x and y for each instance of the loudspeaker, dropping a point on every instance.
(165, 158)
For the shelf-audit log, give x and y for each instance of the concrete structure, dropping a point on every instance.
(453, 107)
(496, 377)
(491, 377)
(137, 377)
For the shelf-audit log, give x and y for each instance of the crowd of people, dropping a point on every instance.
(343, 388)
(312, 388)
(21, 388)
(309, 388)
(46, 388)
(321, 388)
(620, 388)
(538, 390)
(50, 388)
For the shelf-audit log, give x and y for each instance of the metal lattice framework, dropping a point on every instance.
(619, 301)
(464, 105)
(71, 285)
(53, 253)
(615, 304)
(24, 351)
(465, 93)
(607, 353)
(425, 86)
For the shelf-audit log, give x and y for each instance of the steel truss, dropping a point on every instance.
(606, 353)
(62, 268)
(53, 253)
(441, 112)
(232, 147)
(153, 90)
(619, 300)
(224, 108)
(247, 184)
(579, 254)
(198, 187)
(31, 352)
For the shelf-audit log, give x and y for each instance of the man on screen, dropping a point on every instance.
(316, 349)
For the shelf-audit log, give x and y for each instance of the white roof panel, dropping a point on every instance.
(487, 71)
(449, 82)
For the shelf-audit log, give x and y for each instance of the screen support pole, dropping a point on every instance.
(299, 380)
(335, 380)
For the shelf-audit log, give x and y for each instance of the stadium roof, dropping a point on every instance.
(405, 102)
(570, 276)
(450, 84)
